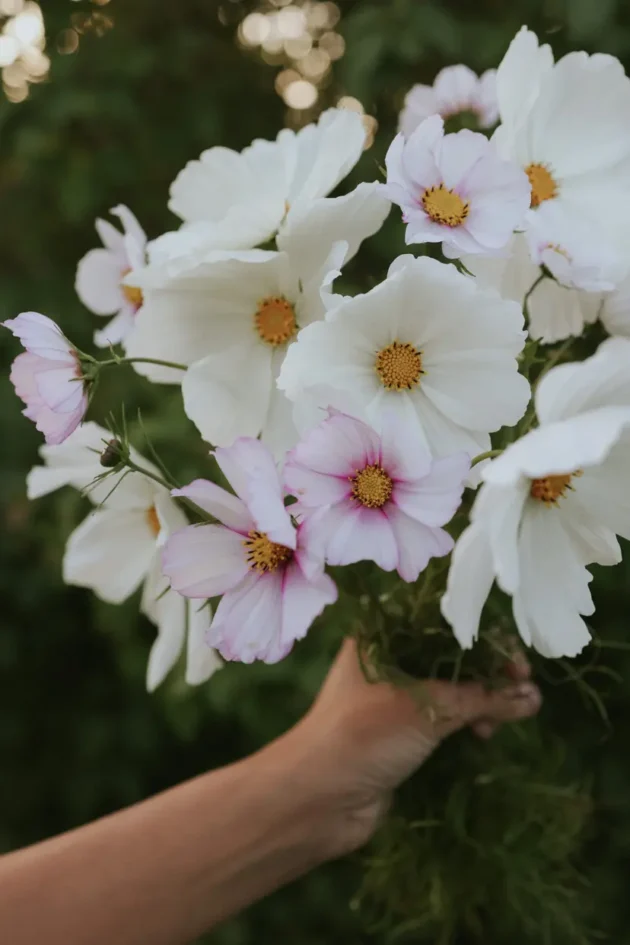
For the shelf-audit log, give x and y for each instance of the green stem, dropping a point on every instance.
(184, 500)
(170, 364)
(490, 454)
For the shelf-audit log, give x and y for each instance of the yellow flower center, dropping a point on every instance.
(275, 320)
(371, 486)
(544, 186)
(445, 206)
(399, 366)
(550, 489)
(265, 555)
(131, 292)
(153, 521)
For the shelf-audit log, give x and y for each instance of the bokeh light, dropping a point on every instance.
(22, 47)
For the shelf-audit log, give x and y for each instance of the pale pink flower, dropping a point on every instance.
(257, 559)
(102, 276)
(456, 90)
(375, 498)
(48, 376)
(455, 189)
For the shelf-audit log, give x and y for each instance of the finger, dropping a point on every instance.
(517, 666)
(470, 703)
(484, 729)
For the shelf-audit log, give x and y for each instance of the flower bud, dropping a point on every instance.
(113, 454)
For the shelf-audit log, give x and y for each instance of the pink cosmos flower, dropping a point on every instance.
(455, 189)
(257, 559)
(103, 275)
(456, 90)
(375, 498)
(48, 377)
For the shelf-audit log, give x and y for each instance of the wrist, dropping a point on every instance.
(331, 818)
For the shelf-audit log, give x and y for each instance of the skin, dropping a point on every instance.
(168, 869)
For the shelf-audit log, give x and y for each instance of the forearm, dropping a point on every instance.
(167, 870)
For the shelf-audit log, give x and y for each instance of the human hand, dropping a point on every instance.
(360, 740)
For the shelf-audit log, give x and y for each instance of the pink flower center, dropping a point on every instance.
(551, 488)
(371, 486)
(265, 555)
(131, 292)
(275, 320)
(544, 186)
(444, 206)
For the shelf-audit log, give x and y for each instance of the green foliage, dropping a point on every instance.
(523, 839)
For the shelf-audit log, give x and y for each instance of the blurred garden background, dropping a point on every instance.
(103, 103)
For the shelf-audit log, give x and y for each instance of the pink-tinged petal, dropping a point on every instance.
(434, 499)
(97, 282)
(310, 553)
(356, 533)
(303, 601)
(416, 543)
(59, 386)
(250, 469)
(404, 454)
(314, 489)
(41, 335)
(56, 427)
(338, 446)
(248, 623)
(222, 505)
(204, 560)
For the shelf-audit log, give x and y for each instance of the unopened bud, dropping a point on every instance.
(112, 455)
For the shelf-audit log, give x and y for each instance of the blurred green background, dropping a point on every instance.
(135, 89)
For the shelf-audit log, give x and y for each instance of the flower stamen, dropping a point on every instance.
(131, 292)
(445, 206)
(549, 489)
(263, 554)
(153, 521)
(543, 184)
(371, 486)
(399, 366)
(275, 320)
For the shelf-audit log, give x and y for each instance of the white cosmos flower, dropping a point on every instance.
(568, 126)
(614, 309)
(456, 91)
(101, 276)
(232, 200)
(231, 317)
(427, 342)
(550, 505)
(558, 307)
(117, 548)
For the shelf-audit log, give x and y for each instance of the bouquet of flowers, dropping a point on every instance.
(448, 451)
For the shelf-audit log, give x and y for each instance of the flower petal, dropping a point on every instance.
(98, 281)
(224, 506)
(250, 469)
(204, 561)
(469, 581)
(434, 498)
(247, 625)
(110, 552)
(417, 543)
